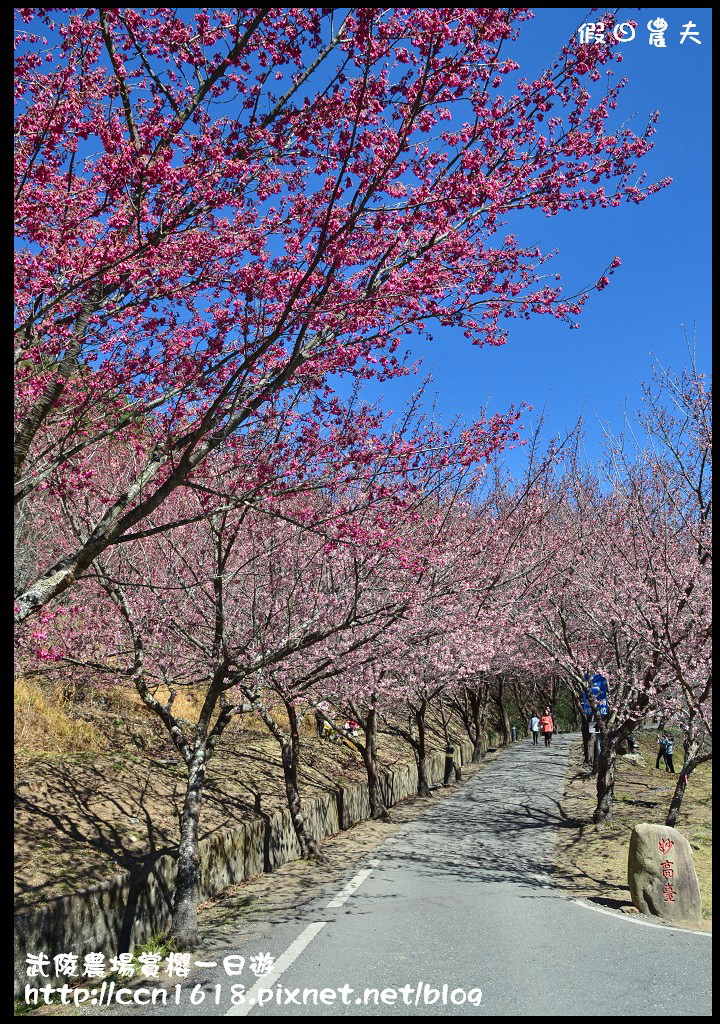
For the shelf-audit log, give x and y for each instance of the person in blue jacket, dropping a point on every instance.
(669, 749)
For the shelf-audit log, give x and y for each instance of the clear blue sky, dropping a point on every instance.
(664, 245)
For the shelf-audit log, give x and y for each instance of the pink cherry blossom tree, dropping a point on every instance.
(508, 549)
(214, 206)
(435, 647)
(194, 612)
(229, 604)
(585, 617)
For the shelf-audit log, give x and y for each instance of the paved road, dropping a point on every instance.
(462, 897)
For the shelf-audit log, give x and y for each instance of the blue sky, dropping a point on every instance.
(664, 245)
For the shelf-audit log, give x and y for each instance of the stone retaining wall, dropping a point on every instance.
(130, 908)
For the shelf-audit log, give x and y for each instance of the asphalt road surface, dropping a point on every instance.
(456, 915)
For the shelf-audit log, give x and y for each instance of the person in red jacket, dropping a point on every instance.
(547, 726)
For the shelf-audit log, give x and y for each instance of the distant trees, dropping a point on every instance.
(628, 590)
(668, 488)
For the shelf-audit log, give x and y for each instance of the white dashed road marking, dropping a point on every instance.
(295, 949)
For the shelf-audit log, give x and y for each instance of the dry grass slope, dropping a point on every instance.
(99, 785)
(43, 723)
(592, 859)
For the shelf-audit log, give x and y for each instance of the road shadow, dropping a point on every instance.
(90, 824)
(496, 829)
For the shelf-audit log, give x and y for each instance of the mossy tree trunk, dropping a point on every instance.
(187, 882)
(368, 751)
(289, 742)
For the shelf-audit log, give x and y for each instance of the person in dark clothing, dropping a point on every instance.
(669, 749)
(661, 749)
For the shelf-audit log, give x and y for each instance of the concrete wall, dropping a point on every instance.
(129, 909)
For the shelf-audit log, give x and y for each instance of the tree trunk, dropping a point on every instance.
(423, 784)
(290, 759)
(471, 708)
(609, 740)
(605, 781)
(417, 742)
(378, 810)
(187, 883)
(308, 846)
(690, 763)
(504, 720)
(421, 752)
(290, 754)
(586, 737)
(477, 724)
(595, 760)
(606, 770)
(369, 756)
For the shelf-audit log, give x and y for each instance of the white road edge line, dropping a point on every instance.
(281, 965)
(353, 885)
(631, 919)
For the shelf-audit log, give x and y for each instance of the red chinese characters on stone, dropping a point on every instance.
(667, 869)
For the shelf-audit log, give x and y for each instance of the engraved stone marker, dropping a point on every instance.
(661, 874)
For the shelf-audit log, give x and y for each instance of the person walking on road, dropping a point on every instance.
(535, 727)
(547, 725)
